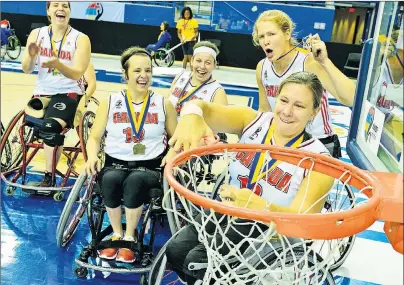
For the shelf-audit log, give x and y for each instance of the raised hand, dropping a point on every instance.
(53, 62)
(34, 48)
(318, 49)
(191, 130)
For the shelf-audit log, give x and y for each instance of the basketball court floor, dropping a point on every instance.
(29, 254)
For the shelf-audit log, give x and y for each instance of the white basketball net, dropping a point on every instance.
(270, 258)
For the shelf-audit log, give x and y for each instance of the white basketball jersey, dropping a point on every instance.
(47, 82)
(120, 139)
(274, 187)
(321, 125)
(384, 82)
(206, 93)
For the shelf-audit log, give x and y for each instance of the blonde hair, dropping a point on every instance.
(281, 19)
(207, 44)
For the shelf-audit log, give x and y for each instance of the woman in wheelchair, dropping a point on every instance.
(136, 123)
(199, 83)
(298, 101)
(163, 39)
(62, 54)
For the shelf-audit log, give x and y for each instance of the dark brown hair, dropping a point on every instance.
(49, 2)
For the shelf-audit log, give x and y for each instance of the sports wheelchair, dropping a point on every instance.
(20, 144)
(341, 198)
(12, 47)
(86, 197)
(164, 57)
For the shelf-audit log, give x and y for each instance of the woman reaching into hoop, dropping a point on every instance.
(62, 54)
(297, 102)
(273, 31)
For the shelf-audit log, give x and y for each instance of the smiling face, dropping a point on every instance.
(203, 64)
(293, 109)
(139, 74)
(59, 13)
(272, 39)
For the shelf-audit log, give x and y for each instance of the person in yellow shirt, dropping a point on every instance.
(187, 31)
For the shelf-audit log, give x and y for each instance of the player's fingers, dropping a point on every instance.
(186, 145)
(177, 146)
(172, 140)
(98, 165)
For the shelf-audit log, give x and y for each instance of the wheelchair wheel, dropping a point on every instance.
(6, 154)
(159, 274)
(175, 221)
(162, 58)
(11, 147)
(13, 47)
(342, 199)
(73, 210)
(84, 130)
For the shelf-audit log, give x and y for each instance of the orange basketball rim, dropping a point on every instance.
(384, 190)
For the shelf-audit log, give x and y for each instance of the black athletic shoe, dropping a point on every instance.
(47, 180)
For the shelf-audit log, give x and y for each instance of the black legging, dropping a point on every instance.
(185, 247)
(131, 184)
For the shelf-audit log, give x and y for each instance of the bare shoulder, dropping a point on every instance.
(83, 38)
(34, 34)
(260, 63)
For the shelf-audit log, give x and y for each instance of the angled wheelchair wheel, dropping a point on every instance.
(162, 58)
(6, 153)
(13, 47)
(11, 141)
(175, 221)
(86, 124)
(159, 273)
(340, 199)
(74, 209)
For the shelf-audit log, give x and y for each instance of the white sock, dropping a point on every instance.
(129, 238)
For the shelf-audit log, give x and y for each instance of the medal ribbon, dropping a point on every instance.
(181, 99)
(137, 124)
(259, 158)
(53, 45)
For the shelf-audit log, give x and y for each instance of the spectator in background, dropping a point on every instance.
(224, 24)
(187, 31)
(162, 40)
(5, 31)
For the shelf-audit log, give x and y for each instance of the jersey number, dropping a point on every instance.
(243, 184)
(130, 137)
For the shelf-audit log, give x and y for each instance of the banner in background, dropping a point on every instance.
(98, 11)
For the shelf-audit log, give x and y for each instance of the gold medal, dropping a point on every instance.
(139, 149)
(55, 71)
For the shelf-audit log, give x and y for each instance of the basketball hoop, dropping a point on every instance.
(286, 250)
